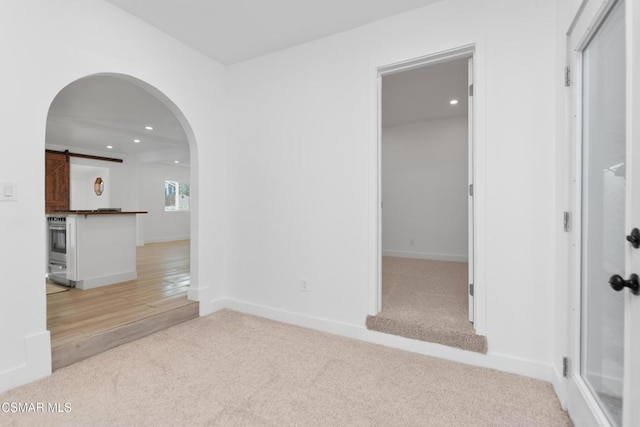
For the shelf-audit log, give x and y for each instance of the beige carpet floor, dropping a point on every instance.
(231, 369)
(426, 300)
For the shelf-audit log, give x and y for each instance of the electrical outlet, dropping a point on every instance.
(304, 284)
(412, 242)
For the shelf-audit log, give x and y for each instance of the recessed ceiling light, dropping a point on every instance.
(453, 102)
(136, 141)
(176, 161)
(148, 128)
(109, 147)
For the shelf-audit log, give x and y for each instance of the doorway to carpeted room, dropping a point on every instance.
(426, 300)
(427, 214)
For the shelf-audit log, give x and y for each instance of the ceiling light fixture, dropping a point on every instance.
(136, 141)
(453, 102)
(148, 128)
(109, 147)
(176, 161)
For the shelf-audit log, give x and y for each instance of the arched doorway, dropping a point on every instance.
(133, 138)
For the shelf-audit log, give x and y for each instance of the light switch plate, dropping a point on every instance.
(8, 191)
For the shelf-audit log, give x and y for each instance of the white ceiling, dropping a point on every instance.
(231, 31)
(97, 111)
(424, 93)
(100, 110)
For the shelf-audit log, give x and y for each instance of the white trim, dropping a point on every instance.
(96, 282)
(166, 239)
(459, 52)
(425, 255)
(559, 384)
(38, 362)
(212, 306)
(470, 202)
(587, 21)
(194, 294)
(582, 406)
(498, 362)
(375, 197)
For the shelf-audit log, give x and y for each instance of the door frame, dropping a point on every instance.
(581, 404)
(476, 171)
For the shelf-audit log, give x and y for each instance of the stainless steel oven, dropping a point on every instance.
(58, 228)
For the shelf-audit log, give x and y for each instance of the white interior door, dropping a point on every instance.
(604, 383)
(470, 204)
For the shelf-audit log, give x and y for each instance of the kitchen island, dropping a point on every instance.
(100, 248)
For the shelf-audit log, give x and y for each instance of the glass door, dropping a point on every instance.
(610, 206)
(603, 213)
(603, 373)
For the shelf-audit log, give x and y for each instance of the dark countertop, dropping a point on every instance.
(96, 213)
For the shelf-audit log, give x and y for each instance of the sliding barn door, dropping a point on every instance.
(57, 182)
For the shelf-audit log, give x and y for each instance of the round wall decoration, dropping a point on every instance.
(98, 186)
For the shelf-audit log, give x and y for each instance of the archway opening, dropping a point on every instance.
(122, 223)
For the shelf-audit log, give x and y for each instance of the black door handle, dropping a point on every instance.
(634, 238)
(618, 283)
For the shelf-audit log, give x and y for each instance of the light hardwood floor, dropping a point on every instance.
(85, 322)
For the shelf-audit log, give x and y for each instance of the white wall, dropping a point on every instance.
(302, 176)
(49, 45)
(158, 225)
(424, 190)
(82, 187)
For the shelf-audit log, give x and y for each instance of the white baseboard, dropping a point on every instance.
(559, 384)
(96, 282)
(165, 239)
(200, 294)
(213, 306)
(36, 366)
(425, 255)
(498, 362)
(194, 294)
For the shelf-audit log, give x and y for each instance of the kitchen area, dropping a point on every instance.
(87, 248)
